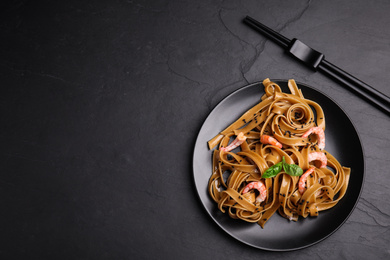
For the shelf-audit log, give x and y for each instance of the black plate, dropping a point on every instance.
(279, 234)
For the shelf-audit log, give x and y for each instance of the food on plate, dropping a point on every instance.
(273, 159)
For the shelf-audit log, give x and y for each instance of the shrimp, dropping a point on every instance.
(258, 185)
(302, 180)
(318, 156)
(266, 139)
(320, 136)
(237, 142)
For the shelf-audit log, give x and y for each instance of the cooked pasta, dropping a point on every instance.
(273, 158)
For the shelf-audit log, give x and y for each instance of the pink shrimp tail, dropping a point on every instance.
(266, 139)
(302, 180)
(237, 142)
(258, 185)
(320, 136)
(318, 156)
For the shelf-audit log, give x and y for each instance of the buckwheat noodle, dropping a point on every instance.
(286, 117)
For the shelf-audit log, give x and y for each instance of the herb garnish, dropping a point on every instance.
(290, 169)
(273, 170)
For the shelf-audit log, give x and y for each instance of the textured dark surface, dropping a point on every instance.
(102, 102)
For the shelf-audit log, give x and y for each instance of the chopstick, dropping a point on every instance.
(316, 61)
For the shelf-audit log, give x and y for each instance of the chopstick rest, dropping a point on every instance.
(317, 61)
(301, 51)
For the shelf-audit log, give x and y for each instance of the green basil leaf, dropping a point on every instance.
(273, 170)
(283, 161)
(292, 169)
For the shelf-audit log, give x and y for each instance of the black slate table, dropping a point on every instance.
(102, 101)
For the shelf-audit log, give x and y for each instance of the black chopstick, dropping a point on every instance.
(275, 36)
(316, 61)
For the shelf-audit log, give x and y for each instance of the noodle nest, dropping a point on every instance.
(286, 117)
